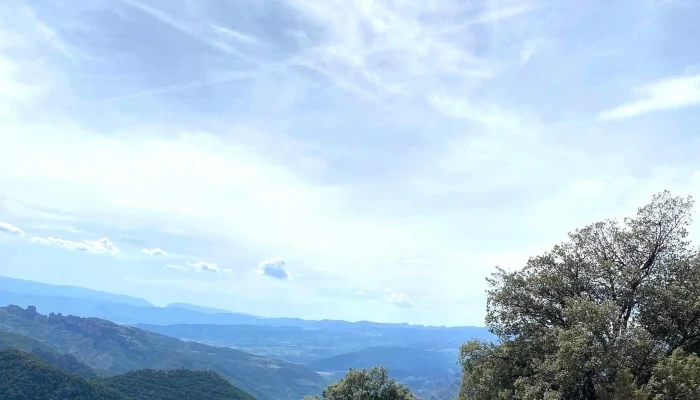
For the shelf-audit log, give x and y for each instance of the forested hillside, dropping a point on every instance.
(112, 348)
(66, 362)
(23, 376)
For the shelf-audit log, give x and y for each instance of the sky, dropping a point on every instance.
(341, 159)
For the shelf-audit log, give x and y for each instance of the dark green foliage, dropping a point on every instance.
(106, 346)
(24, 377)
(597, 317)
(676, 377)
(175, 385)
(372, 384)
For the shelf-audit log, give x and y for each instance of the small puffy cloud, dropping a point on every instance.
(399, 299)
(274, 267)
(100, 246)
(203, 266)
(154, 252)
(10, 229)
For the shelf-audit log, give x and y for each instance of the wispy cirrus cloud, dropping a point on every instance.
(6, 227)
(154, 252)
(100, 246)
(200, 266)
(400, 48)
(347, 135)
(670, 93)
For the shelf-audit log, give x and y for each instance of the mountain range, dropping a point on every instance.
(109, 349)
(267, 357)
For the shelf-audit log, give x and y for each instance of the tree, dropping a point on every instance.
(676, 377)
(373, 384)
(598, 307)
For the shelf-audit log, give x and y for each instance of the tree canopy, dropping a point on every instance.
(363, 384)
(613, 311)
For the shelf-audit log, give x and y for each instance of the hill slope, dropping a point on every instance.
(104, 345)
(66, 362)
(175, 385)
(23, 376)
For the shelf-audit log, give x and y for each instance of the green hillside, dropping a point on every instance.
(106, 346)
(66, 362)
(24, 377)
(175, 385)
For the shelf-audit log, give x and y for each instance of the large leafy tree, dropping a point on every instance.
(372, 384)
(595, 315)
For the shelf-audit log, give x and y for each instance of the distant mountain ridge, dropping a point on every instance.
(340, 344)
(131, 310)
(104, 345)
(21, 286)
(205, 310)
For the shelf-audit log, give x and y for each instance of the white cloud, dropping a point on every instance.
(10, 229)
(203, 266)
(399, 299)
(274, 267)
(667, 94)
(154, 252)
(361, 293)
(200, 266)
(100, 246)
(378, 49)
(447, 165)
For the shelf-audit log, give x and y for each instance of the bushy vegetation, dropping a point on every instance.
(372, 384)
(612, 313)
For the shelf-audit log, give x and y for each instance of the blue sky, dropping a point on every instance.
(352, 159)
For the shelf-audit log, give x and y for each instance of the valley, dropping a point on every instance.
(270, 358)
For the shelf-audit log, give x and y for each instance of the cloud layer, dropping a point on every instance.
(377, 144)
